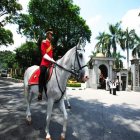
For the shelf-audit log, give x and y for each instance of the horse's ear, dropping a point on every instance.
(79, 43)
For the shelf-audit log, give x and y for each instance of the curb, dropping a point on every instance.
(72, 88)
(11, 79)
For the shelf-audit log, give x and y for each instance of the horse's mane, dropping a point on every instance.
(66, 56)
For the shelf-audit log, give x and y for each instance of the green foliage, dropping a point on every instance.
(118, 61)
(7, 59)
(16, 76)
(104, 44)
(136, 49)
(108, 42)
(8, 10)
(62, 16)
(6, 37)
(127, 42)
(27, 55)
(73, 84)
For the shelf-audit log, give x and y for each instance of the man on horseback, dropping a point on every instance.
(47, 59)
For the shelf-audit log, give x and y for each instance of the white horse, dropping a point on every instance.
(73, 62)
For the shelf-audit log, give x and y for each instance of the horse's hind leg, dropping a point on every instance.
(28, 97)
(48, 118)
(63, 109)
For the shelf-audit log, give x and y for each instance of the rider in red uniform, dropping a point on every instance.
(47, 59)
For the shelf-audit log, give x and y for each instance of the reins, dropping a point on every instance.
(70, 71)
(63, 92)
(76, 73)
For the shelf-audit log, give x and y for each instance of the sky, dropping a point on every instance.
(98, 15)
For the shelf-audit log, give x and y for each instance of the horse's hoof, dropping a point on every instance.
(69, 107)
(48, 139)
(62, 138)
(28, 122)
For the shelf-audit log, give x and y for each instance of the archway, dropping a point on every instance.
(102, 76)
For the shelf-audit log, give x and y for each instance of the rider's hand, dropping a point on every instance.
(47, 57)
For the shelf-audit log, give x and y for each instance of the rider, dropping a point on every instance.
(47, 59)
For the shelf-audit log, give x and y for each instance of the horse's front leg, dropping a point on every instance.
(48, 118)
(68, 103)
(63, 109)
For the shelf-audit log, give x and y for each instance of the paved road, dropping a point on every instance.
(95, 115)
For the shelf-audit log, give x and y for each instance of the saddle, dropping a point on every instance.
(34, 79)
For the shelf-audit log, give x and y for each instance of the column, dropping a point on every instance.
(110, 70)
(135, 72)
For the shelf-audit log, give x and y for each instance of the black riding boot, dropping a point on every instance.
(39, 96)
(43, 70)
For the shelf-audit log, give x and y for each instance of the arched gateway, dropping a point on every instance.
(102, 69)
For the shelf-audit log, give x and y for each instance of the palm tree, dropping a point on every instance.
(114, 37)
(108, 41)
(100, 46)
(103, 45)
(127, 41)
(118, 61)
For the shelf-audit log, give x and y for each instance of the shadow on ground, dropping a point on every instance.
(90, 120)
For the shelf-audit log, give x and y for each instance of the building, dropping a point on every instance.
(102, 71)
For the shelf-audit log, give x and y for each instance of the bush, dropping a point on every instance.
(17, 77)
(73, 84)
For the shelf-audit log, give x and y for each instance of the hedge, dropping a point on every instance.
(73, 84)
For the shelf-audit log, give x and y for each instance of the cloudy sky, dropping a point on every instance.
(98, 15)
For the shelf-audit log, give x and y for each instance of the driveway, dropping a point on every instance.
(95, 115)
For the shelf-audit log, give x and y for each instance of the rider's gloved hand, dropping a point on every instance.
(47, 57)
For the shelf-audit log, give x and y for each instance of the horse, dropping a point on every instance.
(72, 63)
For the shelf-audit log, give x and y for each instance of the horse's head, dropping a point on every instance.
(79, 64)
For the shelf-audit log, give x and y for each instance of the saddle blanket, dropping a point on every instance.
(34, 79)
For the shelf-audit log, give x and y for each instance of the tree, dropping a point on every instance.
(114, 36)
(8, 10)
(127, 41)
(6, 37)
(27, 55)
(7, 59)
(104, 44)
(118, 61)
(108, 42)
(62, 16)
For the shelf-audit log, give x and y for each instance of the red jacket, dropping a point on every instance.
(46, 47)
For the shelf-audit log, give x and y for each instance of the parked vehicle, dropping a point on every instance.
(4, 73)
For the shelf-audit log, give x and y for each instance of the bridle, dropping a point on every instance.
(73, 71)
(77, 72)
